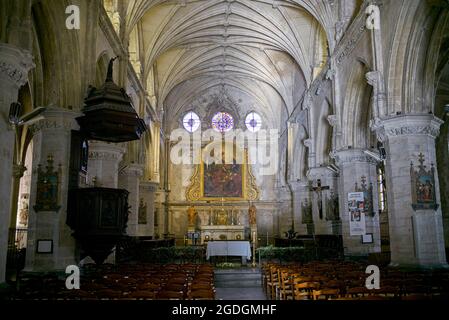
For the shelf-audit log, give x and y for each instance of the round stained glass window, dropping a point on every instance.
(222, 122)
(191, 122)
(253, 122)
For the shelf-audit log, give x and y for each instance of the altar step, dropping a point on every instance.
(238, 278)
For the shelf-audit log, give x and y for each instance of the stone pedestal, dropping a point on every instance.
(103, 164)
(357, 172)
(129, 179)
(14, 67)
(416, 234)
(147, 192)
(328, 179)
(51, 140)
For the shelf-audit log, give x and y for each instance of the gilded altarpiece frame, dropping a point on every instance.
(249, 189)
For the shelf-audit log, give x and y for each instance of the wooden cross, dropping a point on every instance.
(319, 190)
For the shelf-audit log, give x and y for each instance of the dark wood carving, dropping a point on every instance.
(109, 114)
(98, 217)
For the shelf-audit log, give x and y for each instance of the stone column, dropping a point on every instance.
(358, 172)
(14, 67)
(51, 142)
(129, 179)
(103, 163)
(328, 179)
(416, 232)
(301, 194)
(147, 196)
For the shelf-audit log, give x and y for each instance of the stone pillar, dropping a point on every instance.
(103, 163)
(129, 179)
(147, 197)
(358, 172)
(14, 67)
(416, 232)
(301, 194)
(328, 179)
(51, 141)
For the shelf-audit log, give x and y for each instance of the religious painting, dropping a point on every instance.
(367, 196)
(423, 186)
(223, 180)
(218, 180)
(47, 188)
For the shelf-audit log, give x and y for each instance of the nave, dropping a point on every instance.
(315, 280)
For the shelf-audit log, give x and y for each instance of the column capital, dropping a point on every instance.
(15, 64)
(55, 118)
(320, 173)
(344, 156)
(406, 125)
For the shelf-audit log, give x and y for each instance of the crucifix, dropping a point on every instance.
(319, 190)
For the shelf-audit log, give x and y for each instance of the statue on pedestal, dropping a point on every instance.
(191, 215)
(252, 214)
(222, 218)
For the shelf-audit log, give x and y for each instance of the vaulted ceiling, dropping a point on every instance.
(264, 51)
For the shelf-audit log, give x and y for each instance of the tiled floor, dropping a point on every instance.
(238, 284)
(240, 294)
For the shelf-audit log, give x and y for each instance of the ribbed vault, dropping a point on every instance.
(269, 51)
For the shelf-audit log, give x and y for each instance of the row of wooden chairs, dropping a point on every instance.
(346, 280)
(136, 282)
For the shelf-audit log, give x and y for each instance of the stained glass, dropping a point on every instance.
(222, 122)
(191, 122)
(253, 122)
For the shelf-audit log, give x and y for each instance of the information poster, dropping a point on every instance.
(356, 207)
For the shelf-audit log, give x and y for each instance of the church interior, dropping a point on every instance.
(224, 149)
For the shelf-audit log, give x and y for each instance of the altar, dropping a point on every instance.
(221, 232)
(229, 248)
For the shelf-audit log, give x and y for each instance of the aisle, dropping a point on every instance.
(239, 284)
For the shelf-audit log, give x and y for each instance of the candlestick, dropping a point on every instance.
(254, 249)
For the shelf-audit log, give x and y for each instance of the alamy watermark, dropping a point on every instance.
(212, 147)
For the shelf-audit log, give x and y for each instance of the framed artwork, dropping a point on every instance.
(423, 186)
(223, 180)
(367, 238)
(47, 188)
(367, 195)
(44, 246)
(219, 181)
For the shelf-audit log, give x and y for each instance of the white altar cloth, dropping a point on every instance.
(228, 248)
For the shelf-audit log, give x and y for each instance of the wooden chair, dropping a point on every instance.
(170, 295)
(304, 290)
(142, 295)
(357, 292)
(285, 288)
(273, 283)
(201, 295)
(326, 294)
